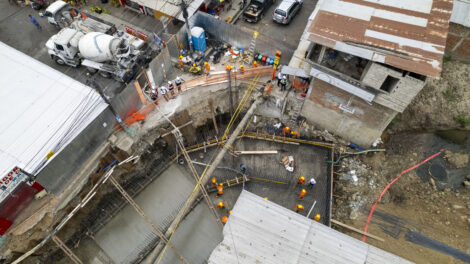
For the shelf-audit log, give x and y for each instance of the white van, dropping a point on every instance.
(286, 11)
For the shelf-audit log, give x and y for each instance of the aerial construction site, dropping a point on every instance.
(206, 131)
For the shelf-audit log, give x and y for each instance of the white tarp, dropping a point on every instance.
(42, 110)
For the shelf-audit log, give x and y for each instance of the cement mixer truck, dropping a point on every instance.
(119, 55)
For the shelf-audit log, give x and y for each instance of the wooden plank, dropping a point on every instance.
(141, 94)
(255, 152)
(356, 230)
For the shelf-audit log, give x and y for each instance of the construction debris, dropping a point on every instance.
(288, 162)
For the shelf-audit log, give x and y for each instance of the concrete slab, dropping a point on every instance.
(125, 235)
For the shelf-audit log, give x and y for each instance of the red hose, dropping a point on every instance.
(388, 186)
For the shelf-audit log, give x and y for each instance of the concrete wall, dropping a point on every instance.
(58, 173)
(362, 127)
(156, 66)
(235, 35)
(401, 94)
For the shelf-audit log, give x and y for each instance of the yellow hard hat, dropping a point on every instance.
(181, 57)
(266, 198)
(194, 65)
(205, 63)
(287, 128)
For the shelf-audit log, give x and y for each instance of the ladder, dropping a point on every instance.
(251, 49)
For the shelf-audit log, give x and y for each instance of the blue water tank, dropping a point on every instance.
(199, 39)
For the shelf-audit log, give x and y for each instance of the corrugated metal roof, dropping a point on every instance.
(409, 35)
(42, 110)
(171, 7)
(260, 231)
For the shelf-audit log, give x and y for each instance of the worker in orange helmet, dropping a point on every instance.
(208, 67)
(221, 205)
(299, 208)
(220, 190)
(255, 64)
(224, 219)
(317, 217)
(295, 134)
(213, 181)
(286, 131)
(301, 180)
(302, 193)
(242, 68)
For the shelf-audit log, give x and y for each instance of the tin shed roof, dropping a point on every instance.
(410, 35)
(260, 231)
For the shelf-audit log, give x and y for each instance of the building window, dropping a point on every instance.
(389, 83)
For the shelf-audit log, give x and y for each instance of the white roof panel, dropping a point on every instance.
(42, 110)
(260, 231)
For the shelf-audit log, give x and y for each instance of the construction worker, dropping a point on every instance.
(312, 183)
(268, 89)
(230, 212)
(255, 64)
(286, 131)
(243, 168)
(273, 76)
(181, 61)
(279, 78)
(266, 198)
(283, 83)
(299, 208)
(220, 190)
(228, 67)
(302, 193)
(301, 180)
(178, 82)
(164, 91)
(224, 219)
(208, 67)
(154, 94)
(171, 88)
(195, 69)
(242, 69)
(295, 134)
(213, 182)
(317, 217)
(221, 205)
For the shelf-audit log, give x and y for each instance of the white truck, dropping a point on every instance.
(98, 45)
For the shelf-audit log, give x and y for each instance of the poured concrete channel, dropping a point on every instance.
(124, 237)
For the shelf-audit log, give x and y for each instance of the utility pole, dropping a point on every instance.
(184, 6)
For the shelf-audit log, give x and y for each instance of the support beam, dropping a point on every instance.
(254, 152)
(66, 250)
(146, 218)
(211, 106)
(205, 177)
(356, 230)
(229, 71)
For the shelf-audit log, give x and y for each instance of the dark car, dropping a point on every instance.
(256, 10)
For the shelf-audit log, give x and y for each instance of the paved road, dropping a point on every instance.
(290, 34)
(17, 32)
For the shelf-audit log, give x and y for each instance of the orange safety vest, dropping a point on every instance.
(207, 67)
(286, 131)
(224, 219)
(220, 190)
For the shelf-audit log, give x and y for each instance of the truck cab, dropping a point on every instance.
(60, 14)
(256, 10)
(63, 47)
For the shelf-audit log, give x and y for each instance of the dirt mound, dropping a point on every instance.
(442, 104)
(456, 160)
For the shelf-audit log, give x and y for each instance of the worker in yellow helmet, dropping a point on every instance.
(299, 208)
(317, 217)
(301, 180)
(213, 181)
(221, 205)
(302, 193)
(286, 131)
(208, 67)
(220, 190)
(242, 68)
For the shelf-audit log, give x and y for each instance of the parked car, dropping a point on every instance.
(256, 9)
(286, 11)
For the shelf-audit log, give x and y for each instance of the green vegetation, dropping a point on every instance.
(447, 59)
(449, 95)
(463, 120)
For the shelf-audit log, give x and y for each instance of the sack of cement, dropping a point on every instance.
(285, 160)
